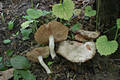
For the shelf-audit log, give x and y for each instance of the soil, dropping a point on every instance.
(98, 68)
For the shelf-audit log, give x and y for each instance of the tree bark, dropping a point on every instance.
(107, 12)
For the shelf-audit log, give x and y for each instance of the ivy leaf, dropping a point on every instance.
(89, 11)
(106, 47)
(118, 23)
(19, 62)
(76, 27)
(65, 10)
(34, 13)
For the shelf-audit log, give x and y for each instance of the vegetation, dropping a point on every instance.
(64, 12)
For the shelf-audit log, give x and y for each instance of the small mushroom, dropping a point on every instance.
(86, 35)
(49, 33)
(37, 55)
(77, 52)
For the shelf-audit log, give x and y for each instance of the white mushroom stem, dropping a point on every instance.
(51, 46)
(40, 58)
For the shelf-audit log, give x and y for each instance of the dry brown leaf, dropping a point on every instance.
(6, 74)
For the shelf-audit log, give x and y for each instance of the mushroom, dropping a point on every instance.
(83, 35)
(77, 52)
(37, 55)
(49, 33)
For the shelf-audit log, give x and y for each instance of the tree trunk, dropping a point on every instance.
(107, 12)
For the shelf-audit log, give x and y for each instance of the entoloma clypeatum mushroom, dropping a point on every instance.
(77, 52)
(49, 33)
(37, 55)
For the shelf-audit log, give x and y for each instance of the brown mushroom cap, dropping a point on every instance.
(33, 55)
(58, 30)
(77, 52)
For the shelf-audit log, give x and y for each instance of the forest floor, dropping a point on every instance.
(98, 68)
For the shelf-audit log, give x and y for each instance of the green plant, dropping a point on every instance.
(64, 10)
(32, 16)
(0, 59)
(50, 63)
(106, 47)
(19, 62)
(89, 11)
(6, 41)
(10, 25)
(2, 18)
(9, 53)
(76, 27)
(24, 74)
(26, 33)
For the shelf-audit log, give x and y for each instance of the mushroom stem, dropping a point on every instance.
(51, 46)
(40, 58)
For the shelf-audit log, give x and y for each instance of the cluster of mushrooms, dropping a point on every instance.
(74, 51)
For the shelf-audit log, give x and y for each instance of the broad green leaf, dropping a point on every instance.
(65, 10)
(89, 11)
(34, 13)
(19, 62)
(76, 27)
(26, 33)
(6, 41)
(24, 74)
(118, 23)
(26, 24)
(10, 25)
(106, 47)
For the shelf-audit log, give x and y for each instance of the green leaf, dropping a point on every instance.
(6, 41)
(34, 13)
(50, 63)
(10, 25)
(76, 27)
(44, 13)
(26, 24)
(65, 10)
(24, 74)
(118, 23)
(26, 33)
(9, 52)
(19, 62)
(106, 47)
(89, 11)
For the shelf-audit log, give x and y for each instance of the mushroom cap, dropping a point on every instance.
(77, 52)
(58, 30)
(41, 51)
